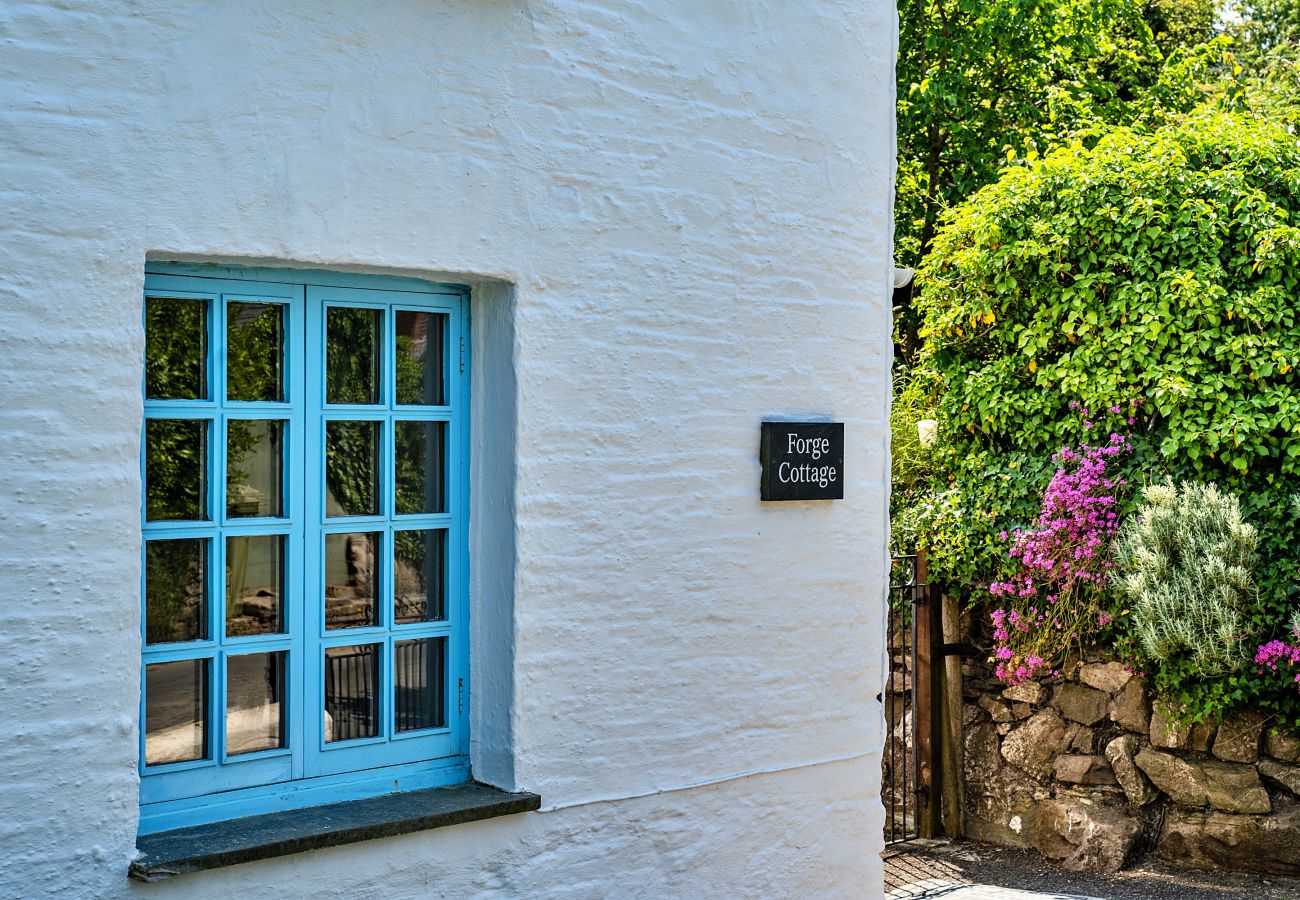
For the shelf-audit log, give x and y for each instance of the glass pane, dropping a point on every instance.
(351, 580)
(175, 469)
(254, 585)
(254, 702)
(419, 466)
(176, 711)
(176, 590)
(253, 462)
(352, 354)
(175, 349)
(254, 351)
(351, 692)
(420, 684)
(419, 358)
(352, 468)
(418, 576)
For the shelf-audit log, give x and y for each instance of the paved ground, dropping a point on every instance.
(967, 871)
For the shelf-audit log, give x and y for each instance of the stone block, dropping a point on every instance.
(1030, 692)
(1137, 788)
(1130, 708)
(1234, 788)
(1110, 677)
(1184, 782)
(1238, 738)
(997, 710)
(1033, 745)
(1282, 745)
(1081, 738)
(1202, 736)
(1203, 839)
(1084, 836)
(1081, 704)
(1281, 774)
(1000, 806)
(1172, 735)
(1021, 710)
(1077, 768)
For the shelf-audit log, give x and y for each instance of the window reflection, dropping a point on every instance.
(176, 711)
(254, 351)
(175, 348)
(351, 692)
(352, 349)
(176, 590)
(176, 462)
(254, 702)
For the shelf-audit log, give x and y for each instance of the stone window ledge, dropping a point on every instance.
(236, 841)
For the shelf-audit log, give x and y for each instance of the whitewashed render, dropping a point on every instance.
(675, 219)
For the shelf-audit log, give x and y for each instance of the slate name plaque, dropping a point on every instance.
(803, 461)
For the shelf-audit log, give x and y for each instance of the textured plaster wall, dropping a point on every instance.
(676, 215)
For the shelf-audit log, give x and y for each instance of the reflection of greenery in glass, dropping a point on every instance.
(175, 590)
(352, 466)
(254, 337)
(175, 468)
(419, 466)
(419, 358)
(418, 575)
(253, 461)
(352, 355)
(175, 349)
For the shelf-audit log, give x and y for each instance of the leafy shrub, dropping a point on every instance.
(1187, 563)
(1163, 265)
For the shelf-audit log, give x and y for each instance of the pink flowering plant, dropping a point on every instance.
(1279, 656)
(1054, 599)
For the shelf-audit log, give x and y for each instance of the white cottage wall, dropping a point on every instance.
(676, 216)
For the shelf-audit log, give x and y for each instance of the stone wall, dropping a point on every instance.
(1086, 771)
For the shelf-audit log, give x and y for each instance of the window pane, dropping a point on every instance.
(175, 349)
(352, 468)
(419, 358)
(352, 354)
(176, 590)
(419, 466)
(176, 711)
(254, 702)
(420, 683)
(175, 468)
(254, 585)
(351, 692)
(351, 580)
(419, 566)
(254, 351)
(253, 461)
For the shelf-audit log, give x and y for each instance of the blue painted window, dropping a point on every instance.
(305, 554)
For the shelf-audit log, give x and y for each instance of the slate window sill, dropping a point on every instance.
(229, 843)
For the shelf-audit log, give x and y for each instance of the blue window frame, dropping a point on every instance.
(305, 555)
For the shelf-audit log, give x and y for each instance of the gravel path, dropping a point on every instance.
(936, 869)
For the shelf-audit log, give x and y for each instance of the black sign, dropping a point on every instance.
(803, 461)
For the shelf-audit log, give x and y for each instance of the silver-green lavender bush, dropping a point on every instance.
(1186, 564)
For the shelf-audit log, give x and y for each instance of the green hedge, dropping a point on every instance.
(1162, 267)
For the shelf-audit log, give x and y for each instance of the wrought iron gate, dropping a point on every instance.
(906, 698)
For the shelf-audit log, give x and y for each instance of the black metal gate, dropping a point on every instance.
(901, 783)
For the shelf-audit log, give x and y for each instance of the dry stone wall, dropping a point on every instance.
(1088, 771)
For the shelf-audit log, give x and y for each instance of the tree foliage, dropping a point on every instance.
(984, 81)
